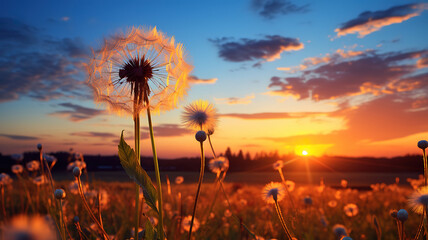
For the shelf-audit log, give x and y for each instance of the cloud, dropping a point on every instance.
(270, 9)
(94, 134)
(368, 22)
(271, 115)
(195, 80)
(65, 19)
(37, 66)
(370, 73)
(77, 113)
(19, 137)
(168, 130)
(267, 49)
(235, 100)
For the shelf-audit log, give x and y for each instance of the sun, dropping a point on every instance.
(305, 153)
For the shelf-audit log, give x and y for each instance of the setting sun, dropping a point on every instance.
(304, 152)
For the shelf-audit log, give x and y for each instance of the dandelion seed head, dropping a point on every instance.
(5, 179)
(25, 227)
(332, 203)
(59, 194)
(290, 185)
(344, 183)
(308, 200)
(139, 69)
(185, 224)
(402, 215)
(278, 164)
(72, 165)
(77, 172)
(17, 168)
(422, 144)
(393, 213)
(17, 157)
(39, 146)
(350, 209)
(179, 180)
(340, 230)
(200, 115)
(219, 164)
(418, 199)
(33, 165)
(273, 191)
(40, 180)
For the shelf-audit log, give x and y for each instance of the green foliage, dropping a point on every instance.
(128, 158)
(149, 231)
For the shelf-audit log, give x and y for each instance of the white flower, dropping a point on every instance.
(273, 191)
(350, 209)
(218, 164)
(185, 224)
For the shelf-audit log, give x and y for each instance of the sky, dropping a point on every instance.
(345, 78)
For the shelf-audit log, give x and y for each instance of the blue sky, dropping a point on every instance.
(242, 47)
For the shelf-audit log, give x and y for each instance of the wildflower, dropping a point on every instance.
(5, 179)
(218, 165)
(289, 185)
(350, 209)
(402, 215)
(185, 224)
(273, 192)
(17, 169)
(33, 165)
(17, 157)
(200, 115)
(278, 164)
(340, 231)
(25, 227)
(422, 144)
(419, 199)
(72, 165)
(179, 180)
(138, 69)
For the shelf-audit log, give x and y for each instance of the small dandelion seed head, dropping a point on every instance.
(201, 136)
(273, 191)
(76, 219)
(210, 131)
(17, 168)
(77, 172)
(25, 227)
(350, 209)
(308, 200)
(393, 213)
(418, 199)
(422, 144)
(290, 185)
(39, 146)
(340, 230)
(346, 238)
(72, 165)
(179, 180)
(59, 193)
(5, 179)
(33, 165)
(185, 224)
(278, 165)
(402, 215)
(219, 164)
(200, 115)
(332, 203)
(17, 157)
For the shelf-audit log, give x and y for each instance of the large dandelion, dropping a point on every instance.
(135, 71)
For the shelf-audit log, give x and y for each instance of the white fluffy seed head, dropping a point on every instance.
(201, 136)
(77, 172)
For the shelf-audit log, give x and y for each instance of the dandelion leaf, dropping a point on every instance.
(128, 161)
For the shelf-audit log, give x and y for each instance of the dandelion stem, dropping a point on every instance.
(61, 221)
(286, 189)
(418, 233)
(281, 219)
(158, 179)
(3, 203)
(201, 176)
(211, 145)
(137, 187)
(85, 203)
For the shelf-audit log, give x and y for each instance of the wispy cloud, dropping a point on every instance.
(19, 137)
(38, 66)
(77, 113)
(371, 73)
(94, 134)
(235, 100)
(168, 130)
(368, 22)
(272, 115)
(195, 80)
(270, 9)
(267, 49)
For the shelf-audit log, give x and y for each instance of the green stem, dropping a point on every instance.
(281, 219)
(212, 149)
(158, 178)
(137, 187)
(201, 176)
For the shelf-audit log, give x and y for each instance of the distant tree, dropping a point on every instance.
(247, 156)
(240, 156)
(228, 154)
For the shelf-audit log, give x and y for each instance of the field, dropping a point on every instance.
(311, 211)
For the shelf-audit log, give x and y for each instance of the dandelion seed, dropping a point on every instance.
(179, 180)
(137, 70)
(33, 165)
(17, 157)
(5, 179)
(17, 169)
(418, 200)
(350, 210)
(218, 165)
(200, 115)
(185, 224)
(24, 227)
(273, 191)
(278, 164)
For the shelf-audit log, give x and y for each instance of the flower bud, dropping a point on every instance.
(393, 213)
(39, 146)
(59, 194)
(402, 215)
(201, 136)
(76, 219)
(422, 144)
(77, 172)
